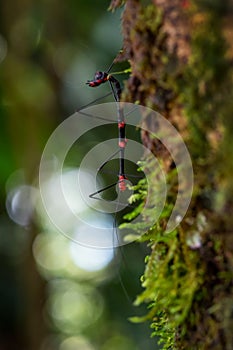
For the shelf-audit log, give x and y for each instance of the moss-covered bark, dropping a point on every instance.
(181, 58)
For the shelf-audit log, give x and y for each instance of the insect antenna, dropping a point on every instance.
(110, 67)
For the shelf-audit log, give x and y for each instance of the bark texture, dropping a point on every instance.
(181, 55)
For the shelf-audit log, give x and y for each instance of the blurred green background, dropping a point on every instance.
(51, 297)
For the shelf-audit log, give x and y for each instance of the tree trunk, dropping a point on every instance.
(181, 54)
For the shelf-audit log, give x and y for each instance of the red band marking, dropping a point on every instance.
(121, 125)
(122, 144)
(122, 184)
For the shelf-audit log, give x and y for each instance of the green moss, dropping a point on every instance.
(203, 80)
